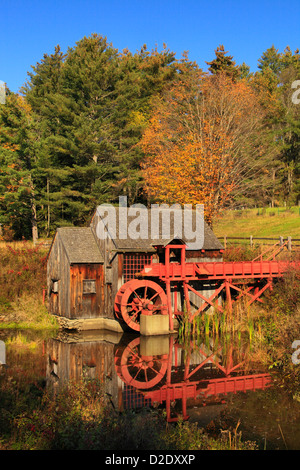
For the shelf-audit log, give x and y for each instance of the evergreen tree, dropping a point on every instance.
(270, 59)
(245, 71)
(274, 80)
(90, 107)
(224, 63)
(289, 128)
(143, 76)
(70, 97)
(17, 162)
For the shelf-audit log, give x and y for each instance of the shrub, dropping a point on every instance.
(80, 417)
(22, 280)
(22, 269)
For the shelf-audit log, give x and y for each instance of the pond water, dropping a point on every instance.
(208, 382)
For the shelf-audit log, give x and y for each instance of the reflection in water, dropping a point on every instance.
(155, 371)
(213, 383)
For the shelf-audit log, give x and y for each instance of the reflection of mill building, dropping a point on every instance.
(72, 357)
(85, 272)
(136, 371)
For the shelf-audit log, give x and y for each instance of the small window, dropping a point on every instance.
(89, 286)
(54, 287)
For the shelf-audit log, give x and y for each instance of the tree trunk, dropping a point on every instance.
(35, 234)
(273, 187)
(48, 210)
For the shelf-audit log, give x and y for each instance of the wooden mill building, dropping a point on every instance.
(84, 272)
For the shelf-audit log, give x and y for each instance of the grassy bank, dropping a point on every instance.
(260, 222)
(22, 280)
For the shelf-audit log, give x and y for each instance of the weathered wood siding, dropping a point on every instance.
(65, 282)
(113, 282)
(113, 269)
(85, 304)
(74, 360)
(58, 270)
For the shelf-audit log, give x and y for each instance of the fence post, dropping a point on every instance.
(251, 241)
(280, 241)
(289, 243)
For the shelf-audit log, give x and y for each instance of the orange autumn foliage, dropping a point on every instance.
(199, 140)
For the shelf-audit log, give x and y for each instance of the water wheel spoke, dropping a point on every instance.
(135, 309)
(134, 291)
(132, 318)
(154, 370)
(130, 304)
(146, 375)
(134, 354)
(130, 309)
(153, 297)
(142, 371)
(131, 361)
(138, 371)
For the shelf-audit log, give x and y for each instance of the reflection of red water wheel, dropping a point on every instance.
(139, 296)
(141, 372)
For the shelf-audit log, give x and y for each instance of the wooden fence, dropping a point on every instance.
(290, 242)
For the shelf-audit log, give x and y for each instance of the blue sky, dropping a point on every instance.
(30, 28)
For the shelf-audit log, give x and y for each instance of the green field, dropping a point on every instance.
(263, 222)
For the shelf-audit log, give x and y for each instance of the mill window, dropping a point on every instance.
(89, 286)
(54, 286)
(133, 263)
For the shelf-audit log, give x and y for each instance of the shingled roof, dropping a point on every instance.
(210, 241)
(80, 245)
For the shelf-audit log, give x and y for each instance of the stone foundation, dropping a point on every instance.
(150, 325)
(87, 324)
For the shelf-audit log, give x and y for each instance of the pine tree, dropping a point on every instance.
(17, 189)
(274, 81)
(143, 77)
(270, 59)
(223, 63)
(71, 99)
(289, 128)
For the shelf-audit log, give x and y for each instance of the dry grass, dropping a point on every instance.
(28, 311)
(22, 279)
(273, 223)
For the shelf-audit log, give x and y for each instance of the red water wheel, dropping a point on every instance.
(139, 296)
(141, 372)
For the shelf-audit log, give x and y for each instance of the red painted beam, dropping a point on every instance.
(214, 387)
(218, 270)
